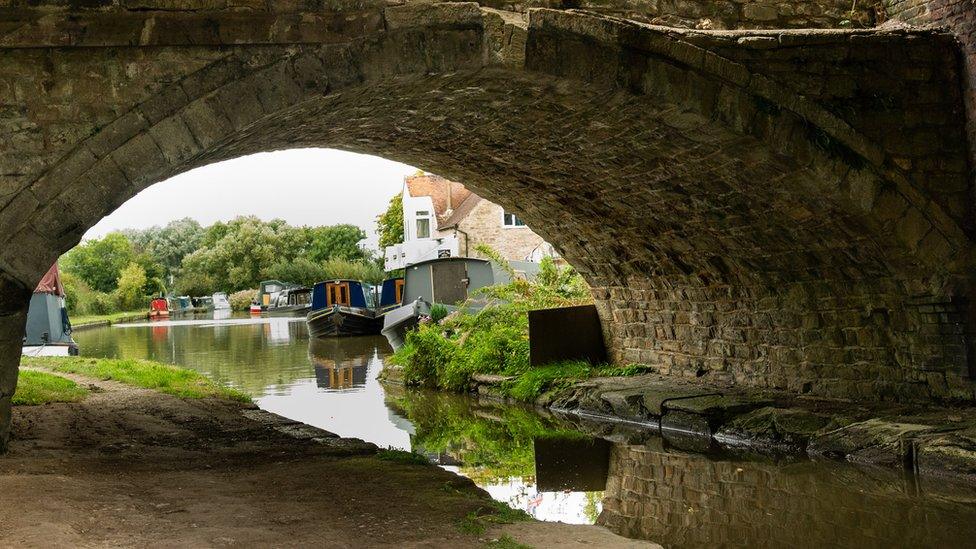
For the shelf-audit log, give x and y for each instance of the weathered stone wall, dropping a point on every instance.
(735, 225)
(716, 14)
(306, 20)
(484, 226)
(682, 500)
(901, 94)
(960, 18)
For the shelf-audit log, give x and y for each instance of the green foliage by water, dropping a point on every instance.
(98, 262)
(244, 251)
(123, 270)
(445, 353)
(164, 378)
(495, 442)
(389, 224)
(307, 272)
(402, 457)
(130, 291)
(35, 388)
(241, 301)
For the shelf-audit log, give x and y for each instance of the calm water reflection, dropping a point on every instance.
(636, 485)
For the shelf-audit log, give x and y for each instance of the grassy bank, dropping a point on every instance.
(34, 388)
(83, 320)
(164, 378)
(446, 352)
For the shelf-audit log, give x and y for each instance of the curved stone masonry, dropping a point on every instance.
(736, 223)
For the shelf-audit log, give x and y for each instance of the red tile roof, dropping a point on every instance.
(448, 196)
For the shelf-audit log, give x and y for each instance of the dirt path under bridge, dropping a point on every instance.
(132, 467)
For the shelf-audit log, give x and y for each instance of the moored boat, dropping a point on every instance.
(180, 304)
(267, 292)
(446, 281)
(297, 300)
(159, 308)
(343, 308)
(48, 330)
(220, 302)
(391, 294)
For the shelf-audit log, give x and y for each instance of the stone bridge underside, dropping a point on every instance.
(782, 209)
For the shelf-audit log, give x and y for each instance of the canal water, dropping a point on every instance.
(557, 469)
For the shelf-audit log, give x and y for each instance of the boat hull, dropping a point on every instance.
(399, 321)
(52, 349)
(289, 310)
(343, 321)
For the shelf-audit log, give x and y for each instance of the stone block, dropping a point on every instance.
(141, 160)
(116, 133)
(421, 15)
(207, 124)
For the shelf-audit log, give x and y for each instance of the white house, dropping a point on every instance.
(442, 218)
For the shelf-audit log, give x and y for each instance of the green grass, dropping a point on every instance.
(164, 378)
(34, 388)
(111, 317)
(493, 512)
(399, 456)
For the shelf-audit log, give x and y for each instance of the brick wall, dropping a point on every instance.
(484, 226)
(960, 17)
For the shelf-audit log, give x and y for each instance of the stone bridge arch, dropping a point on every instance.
(734, 225)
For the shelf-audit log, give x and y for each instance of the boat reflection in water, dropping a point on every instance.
(342, 365)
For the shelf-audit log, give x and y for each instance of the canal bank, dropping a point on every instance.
(931, 440)
(136, 467)
(637, 481)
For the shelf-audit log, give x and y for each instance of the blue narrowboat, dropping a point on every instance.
(391, 294)
(343, 308)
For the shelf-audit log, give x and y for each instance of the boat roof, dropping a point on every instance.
(51, 282)
(446, 259)
(332, 280)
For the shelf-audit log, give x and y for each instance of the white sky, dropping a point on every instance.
(301, 186)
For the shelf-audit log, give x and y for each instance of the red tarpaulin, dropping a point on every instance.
(51, 283)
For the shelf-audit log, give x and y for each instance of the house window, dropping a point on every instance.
(511, 220)
(423, 224)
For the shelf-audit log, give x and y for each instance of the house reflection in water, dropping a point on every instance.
(341, 364)
(281, 331)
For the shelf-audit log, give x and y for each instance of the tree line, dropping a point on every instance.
(123, 269)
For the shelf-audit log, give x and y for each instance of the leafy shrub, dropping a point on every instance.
(438, 312)
(425, 355)
(131, 286)
(307, 272)
(402, 457)
(493, 340)
(241, 301)
(103, 304)
(78, 295)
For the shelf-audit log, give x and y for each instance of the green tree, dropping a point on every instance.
(99, 262)
(246, 246)
(389, 224)
(307, 272)
(335, 242)
(131, 286)
(166, 246)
